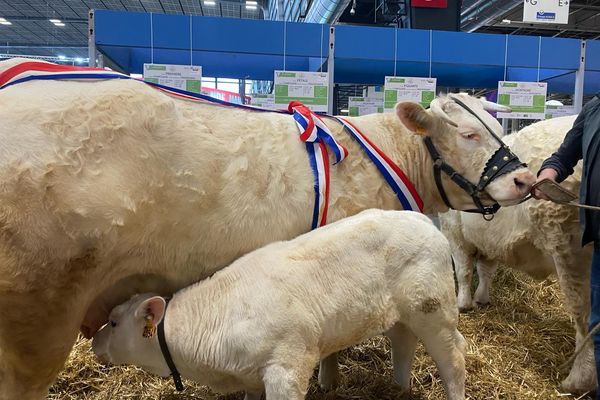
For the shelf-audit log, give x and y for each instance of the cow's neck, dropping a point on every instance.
(409, 152)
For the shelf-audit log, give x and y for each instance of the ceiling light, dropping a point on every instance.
(55, 21)
(209, 3)
(251, 3)
(59, 24)
(248, 7)
(5, 23)
(78, 60)
(344, 110)
(506, 21)
(2, 19)
(61, 57)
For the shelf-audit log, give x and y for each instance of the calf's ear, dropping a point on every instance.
(414, 117)
(152, 310)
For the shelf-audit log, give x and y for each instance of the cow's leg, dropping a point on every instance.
(37, 332)
(463, 255)
(404, 344)
(573, 277)
(486, 270)
(329, 375)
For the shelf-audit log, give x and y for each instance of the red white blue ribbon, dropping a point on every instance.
(316, 134)
(398, 181)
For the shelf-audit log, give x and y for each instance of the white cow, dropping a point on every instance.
(263, 322)
(537, 237)
(111, 188)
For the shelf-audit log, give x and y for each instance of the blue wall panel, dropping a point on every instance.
(592, 55)
(473, 49)
(240, 48)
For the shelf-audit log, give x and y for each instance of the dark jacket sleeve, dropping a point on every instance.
(569, 152)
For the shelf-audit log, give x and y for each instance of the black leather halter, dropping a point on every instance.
(500, 163)
(165, 350)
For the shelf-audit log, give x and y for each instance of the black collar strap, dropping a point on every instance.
(165, 350)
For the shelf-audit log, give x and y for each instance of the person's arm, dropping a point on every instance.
(560, 165)
(563, 161)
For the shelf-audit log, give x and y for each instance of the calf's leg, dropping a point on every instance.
(446, 346)
(285, 382)
(404, 344)
(329, 375)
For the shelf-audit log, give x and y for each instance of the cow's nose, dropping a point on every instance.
(523, 182)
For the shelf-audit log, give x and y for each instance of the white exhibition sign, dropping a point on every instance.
(419, 90)
(546, 11)
(358, 106)
(263, 100)
(559, 111)
(527, 99)
(185, 77)
(309, 88)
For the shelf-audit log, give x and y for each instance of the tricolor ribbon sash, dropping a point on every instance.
(316, 134)
(398, 181)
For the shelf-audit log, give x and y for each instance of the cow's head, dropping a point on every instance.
(465, 144)
(130, 335)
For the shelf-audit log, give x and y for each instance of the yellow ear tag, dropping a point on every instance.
(149, 329)
(420, 131)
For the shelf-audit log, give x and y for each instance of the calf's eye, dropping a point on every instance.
(113, 324)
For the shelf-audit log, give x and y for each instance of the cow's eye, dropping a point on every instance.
(471, 136)
(113, 324)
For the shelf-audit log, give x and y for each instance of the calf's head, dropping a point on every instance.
(466, 144)
(129, 337)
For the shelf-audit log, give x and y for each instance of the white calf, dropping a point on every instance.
(266, 320)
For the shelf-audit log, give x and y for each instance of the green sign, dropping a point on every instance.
(418, 90)
(309, 88)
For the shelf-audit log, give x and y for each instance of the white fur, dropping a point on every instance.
(537, 237)
(268, 318)
(112, 188)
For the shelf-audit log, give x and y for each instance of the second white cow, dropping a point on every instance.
(266, 320)
(537, 237)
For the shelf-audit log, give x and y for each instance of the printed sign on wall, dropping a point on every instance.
(546, 11)
(559, 111)
(184, 77)
(527, 99)
(263, 100)
(309, 88)
(419, 90)
(358, 106)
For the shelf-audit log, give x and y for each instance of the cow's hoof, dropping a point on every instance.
(465, 308)
(480, 304)
(578, 385)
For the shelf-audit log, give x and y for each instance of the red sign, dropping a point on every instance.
(430, 3)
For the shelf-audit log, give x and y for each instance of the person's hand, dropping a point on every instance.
(547, 173)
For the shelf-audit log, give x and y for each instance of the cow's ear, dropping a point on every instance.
(152, 310)
(415, 117)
